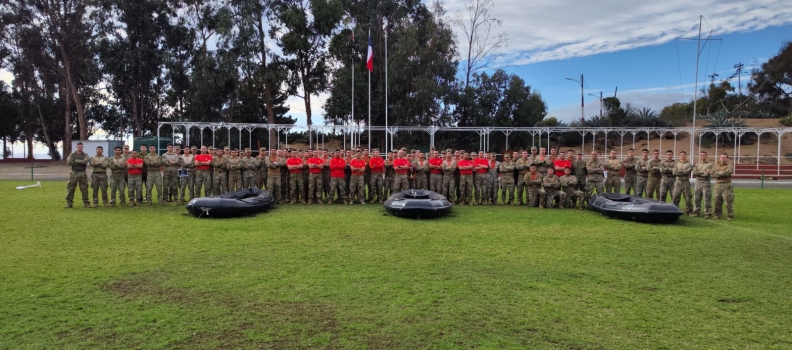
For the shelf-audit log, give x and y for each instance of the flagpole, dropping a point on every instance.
(369, 102)
(353, 81)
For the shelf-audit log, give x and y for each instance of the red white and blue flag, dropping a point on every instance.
(370, 56)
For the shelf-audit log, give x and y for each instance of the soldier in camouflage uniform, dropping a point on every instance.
(421, 166)
(249, 169)
(326, 174)
(630, 174)
(295, 165)
(551, 191)
(135, 183)
(118, 181)
(491, 184)
(506, 170)
(357, 179)
(667, 171)
(722, 173)
(315, 166)
(595, 178)
(542, 162)
(642, 170)
(449, 167)
(274, 163)
(187, 183)
(219, 179)
(170, 178)
(100, 163)
(465, 166)
(234, 166)
(702, 171)
(203, 177)
(436, 172)
(261, 173)
(571, 194)
(534, 182)
(154, 177)
(142, 154)
(523, 165)
(682, 170)
(613, 181)
(653, 182)
(390, 176)
(579, 171)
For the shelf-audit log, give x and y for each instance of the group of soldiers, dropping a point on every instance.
(537, 179)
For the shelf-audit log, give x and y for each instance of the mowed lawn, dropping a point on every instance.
(351, 277)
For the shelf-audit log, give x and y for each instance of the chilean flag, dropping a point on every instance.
(370, 56)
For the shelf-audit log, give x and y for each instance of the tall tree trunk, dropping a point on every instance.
(82, 123)
(307, 99)
(67, 131)
(268, 88)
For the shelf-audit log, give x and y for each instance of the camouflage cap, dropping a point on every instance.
(247, 149)
(177, 147)
(263, 149)
(126, 146)
(226, 148)
(193, 147)
(448, 150)
(211, 148)
(533, 148)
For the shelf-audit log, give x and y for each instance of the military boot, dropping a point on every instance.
(104, 204)
(471, 202)
(86, 204)
(95, 205)
(68, 206)
(310, 201)
(560, 205)
(381, 201)
(292, 201)
(694, 215)
(362, 202)
(373, 200)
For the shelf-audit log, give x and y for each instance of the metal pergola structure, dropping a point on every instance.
(354, 133)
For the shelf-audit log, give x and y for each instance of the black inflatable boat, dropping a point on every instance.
(232, 204)
(417, 204)
(626, 207)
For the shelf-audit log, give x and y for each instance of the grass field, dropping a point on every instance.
(345, 276)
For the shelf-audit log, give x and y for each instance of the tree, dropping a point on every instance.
(772, 83)
(481, 46)
(307, 26)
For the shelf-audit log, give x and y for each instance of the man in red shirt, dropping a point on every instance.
(480, 165)
(135, 176)
(435, 172)
(401, 165)
(295, 165)
(315, 165)
(465, 179)
(560, 164)
(377, 165)
(202, 176)
(337, 182)
(357, 180)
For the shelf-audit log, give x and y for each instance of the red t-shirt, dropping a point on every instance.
(135, 171)
(203, 158)
(464, 163)
(561, 163)
(337, 166)
(435, 162)
(292, 162)
(377, 165)
(481, 161)
(401, 162)
(315, 161)
(358, 163)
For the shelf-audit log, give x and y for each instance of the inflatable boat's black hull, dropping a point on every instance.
(417, 204)
(232, 204)
(631, 208)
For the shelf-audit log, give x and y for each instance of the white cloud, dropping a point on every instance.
(654, 98)
(561, 29)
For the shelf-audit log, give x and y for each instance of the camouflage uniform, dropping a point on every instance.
(449, 186)
(551, 191)
(203, 178)
(187, 183)
(390, 174)
(703, 171)
(219, 179)
(491, 184)
(315, 186)
(326, 179)
(667, 181)
(506, 169)
(723, 190)
(642, 170)
(466, 188)
(261, 174)
(118, 181)
(273, 165)
(534, 183)
(144, 176)
(579, 171)
(543, 164)
(682, 171)
(570, 193)
(234, 166)
(613, 182)
(135, 186)
(436, 182)
(522, 166)
(154, 178)
(170, 178)
(421, 171)
(99, 178)
(249, 172)
(595, 178)
(655, 177)
(296, 186)
(78, 163)
(630, 175)
(357, 187)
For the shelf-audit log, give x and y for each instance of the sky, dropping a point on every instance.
(627, 44)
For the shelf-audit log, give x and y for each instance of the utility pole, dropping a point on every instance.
(582, 104)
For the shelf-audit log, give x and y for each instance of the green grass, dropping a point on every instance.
(345, 276)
